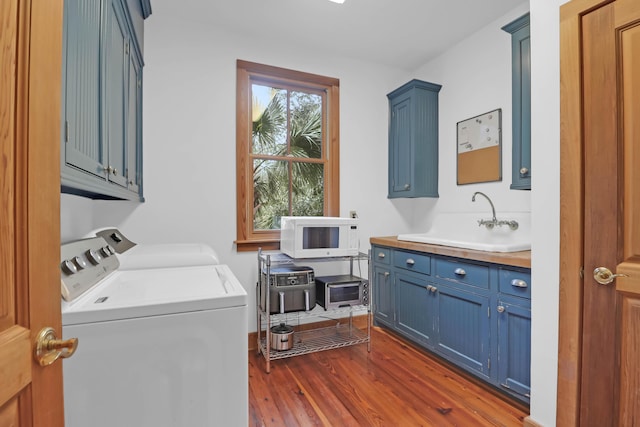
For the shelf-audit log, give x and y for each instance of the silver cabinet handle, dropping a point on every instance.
(460, 272)
(518, 283)
(432, 289)
(524, 171)
(387, 274)
(381, 255)
(407, 186)
(500, 309)
(410, 261)
(306, 300)
(110, 170)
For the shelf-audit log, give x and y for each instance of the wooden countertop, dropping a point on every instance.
(515, 259)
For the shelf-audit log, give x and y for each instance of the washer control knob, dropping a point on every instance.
(94, 257)
(80, 262)
(107, 251)
(69, 267)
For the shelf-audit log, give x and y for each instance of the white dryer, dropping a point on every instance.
(158, 346)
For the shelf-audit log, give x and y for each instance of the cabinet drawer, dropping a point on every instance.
(515, 282)
(463, 272)
(412, 261)
(381, 255)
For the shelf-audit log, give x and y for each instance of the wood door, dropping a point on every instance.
(599, 373)
(30, 73)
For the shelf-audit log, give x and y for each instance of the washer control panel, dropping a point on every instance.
(84, 263)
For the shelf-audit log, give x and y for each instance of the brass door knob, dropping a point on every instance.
(604, 276)
(49, 348)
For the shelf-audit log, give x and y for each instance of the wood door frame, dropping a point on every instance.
(571, 209)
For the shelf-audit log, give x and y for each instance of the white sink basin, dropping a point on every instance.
(462, 231)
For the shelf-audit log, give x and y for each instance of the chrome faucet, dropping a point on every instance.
(493, 221)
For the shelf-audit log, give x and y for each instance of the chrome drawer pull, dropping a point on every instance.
(432, 289)
(518, 283)
(410, 261)
(381, 255)
(460, 272)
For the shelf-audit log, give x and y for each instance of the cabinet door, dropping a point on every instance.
(521, 102)
(400, 148)
(383, 295)
(514, 346)
(415, 300)
(82, 145)
(463, 328)
(133, 173)
(115, 87)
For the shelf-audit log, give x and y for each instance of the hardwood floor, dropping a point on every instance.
(394, 385)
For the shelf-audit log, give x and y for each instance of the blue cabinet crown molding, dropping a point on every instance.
(517, 24)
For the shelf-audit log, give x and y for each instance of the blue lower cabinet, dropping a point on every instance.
(474, 314)
(463, 328)
(514, 346)
(415, 307)
(383, 298)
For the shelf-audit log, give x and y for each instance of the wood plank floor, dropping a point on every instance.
(394, 385)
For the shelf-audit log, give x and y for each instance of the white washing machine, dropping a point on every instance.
(157, 346)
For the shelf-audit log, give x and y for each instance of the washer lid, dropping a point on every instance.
(145, 293)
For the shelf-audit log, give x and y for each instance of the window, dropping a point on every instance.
(287, 139)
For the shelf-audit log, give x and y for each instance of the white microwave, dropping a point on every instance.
(318, 236)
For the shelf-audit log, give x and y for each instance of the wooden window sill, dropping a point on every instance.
(254, 245)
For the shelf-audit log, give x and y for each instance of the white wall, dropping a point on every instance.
(545, 205)
(189, 150)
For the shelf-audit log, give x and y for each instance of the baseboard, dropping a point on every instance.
(528, 422)
(359, 321)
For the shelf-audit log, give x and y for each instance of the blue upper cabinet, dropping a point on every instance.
(413, 140)
(521, 98)
(102, 98)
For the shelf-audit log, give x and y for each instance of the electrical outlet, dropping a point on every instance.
(353, 214)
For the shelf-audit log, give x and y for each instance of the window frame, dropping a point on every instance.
(247, 239)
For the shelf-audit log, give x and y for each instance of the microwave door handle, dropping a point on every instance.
(281, 302)
(306, 300)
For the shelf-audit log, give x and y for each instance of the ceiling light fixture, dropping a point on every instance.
(337, 1)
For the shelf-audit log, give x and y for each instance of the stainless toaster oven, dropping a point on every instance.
(341, 291)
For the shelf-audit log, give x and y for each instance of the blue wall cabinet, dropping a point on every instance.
(521, 99)
(102, 102)
(472, 313)
(413, 140)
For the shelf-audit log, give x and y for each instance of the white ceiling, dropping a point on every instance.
(399, 33)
